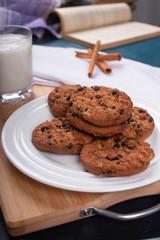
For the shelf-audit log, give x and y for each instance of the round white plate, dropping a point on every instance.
(66, 171)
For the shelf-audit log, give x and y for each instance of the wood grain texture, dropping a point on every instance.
(28, 205)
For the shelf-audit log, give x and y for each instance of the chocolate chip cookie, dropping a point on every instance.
(116, 156)
(141, 124)
(59, 98)
(101, 106)
(59, 137)
(85, 126)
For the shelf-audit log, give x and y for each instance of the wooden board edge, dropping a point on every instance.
(69, 215)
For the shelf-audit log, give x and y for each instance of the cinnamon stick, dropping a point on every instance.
(104, 66)
(104, 57)
(101, 64)
(93, 59)
(83, 55)
(110, 57)
(89, 52)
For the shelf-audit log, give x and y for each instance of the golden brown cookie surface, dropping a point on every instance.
(101, 106)
(59, 137)
(141, 124)
(59, 98)
(116, 156)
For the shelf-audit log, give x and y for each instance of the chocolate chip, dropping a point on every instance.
(69, 146)
(86, 109)
(64, 123)
(53, 100)
(120, 134)
(142, 118)
(98, 96)
(96, 88)
(128, 120)
(74, 114)
(115, 158)
(119, 155)
(68, 98)
(132, 120)
(115, 92)
(117, 140)
(128, 144)
(139, 132)
(123, 144)
(71, 103)
(151, 119)
(121, 111)
(48, 136)
(58, 97)
(113, 107)
(75, 91)
(104, 105)
(50, 144)
(116, 145)
(138, 125)
(44, 128)
(80, 89)
(58, 126)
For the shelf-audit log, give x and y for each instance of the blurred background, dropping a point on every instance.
(147, 11)
(30, 13)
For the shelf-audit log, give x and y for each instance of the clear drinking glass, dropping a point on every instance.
(15, 63)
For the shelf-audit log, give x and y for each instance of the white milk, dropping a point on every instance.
(15, 63)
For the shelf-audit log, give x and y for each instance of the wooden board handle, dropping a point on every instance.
(120, 216)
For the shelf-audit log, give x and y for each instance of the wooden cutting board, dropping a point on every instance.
(28, 205)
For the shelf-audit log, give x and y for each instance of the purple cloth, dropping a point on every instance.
(38, 27)
(28, 13)
(30, 7)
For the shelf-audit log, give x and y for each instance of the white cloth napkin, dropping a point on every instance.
(57, 66)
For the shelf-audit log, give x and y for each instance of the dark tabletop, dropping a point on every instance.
(98, 227)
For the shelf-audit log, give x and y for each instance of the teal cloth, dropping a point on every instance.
(147, 51)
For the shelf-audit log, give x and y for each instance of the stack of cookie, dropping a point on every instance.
(99, 111)
(101, 125)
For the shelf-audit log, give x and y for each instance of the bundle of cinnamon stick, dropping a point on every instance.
(98, 59)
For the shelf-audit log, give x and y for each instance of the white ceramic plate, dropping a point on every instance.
(66, 171)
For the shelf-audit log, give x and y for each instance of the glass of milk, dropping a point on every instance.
(15, 63)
